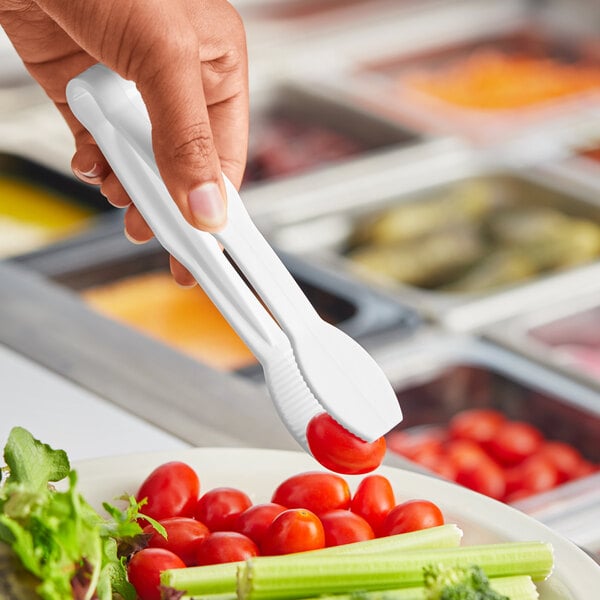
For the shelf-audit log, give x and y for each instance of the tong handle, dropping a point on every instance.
(265, 271)
(112, 110)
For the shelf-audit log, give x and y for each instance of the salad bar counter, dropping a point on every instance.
(429, 174)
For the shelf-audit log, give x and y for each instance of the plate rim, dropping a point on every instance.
(574, 569)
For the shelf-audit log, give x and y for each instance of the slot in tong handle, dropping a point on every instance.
(108, 107)
(308, 363)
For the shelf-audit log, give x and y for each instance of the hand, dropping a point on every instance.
(188, 59)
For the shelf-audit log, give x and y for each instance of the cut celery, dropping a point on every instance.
(206, 580)
(267, 578)
(443, 536)
(229, 596)
(518, 587)
(217, 579)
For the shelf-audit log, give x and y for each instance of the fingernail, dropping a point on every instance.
(186, 286)
(206, 205)
(93, 172)
(132, 239)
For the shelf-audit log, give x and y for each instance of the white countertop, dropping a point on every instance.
(66, 416)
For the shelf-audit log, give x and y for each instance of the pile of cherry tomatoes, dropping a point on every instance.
(487, 452)
(307, 511)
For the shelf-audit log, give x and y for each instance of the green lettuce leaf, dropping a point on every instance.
(69, 547)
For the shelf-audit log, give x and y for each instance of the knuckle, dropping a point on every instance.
(228, 62)
(197, 145)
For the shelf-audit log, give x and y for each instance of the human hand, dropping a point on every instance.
(188, 59)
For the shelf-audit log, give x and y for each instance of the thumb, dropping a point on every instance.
(183, 142)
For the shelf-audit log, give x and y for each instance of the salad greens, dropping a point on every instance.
(71, 549)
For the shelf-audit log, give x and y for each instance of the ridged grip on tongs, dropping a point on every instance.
(335, 371)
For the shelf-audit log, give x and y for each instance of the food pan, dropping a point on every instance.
(467, 241)
(562, 335)
(439, 375)
(40, 207)
(132, 284)
(503, 72)
(296, 130)
(49, 324)
(275, 25)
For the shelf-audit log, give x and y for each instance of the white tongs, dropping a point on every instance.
(309, 365)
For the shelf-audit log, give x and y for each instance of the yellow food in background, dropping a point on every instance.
(471, 237)
(493, 80)
(185, 319)
(31, 216)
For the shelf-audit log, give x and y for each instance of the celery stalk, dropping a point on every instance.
(443, 536)
(206, 580)
(267, 578)
(518, 587)
(217, 579)
(228, 596)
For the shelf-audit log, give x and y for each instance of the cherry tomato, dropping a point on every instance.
(565, 458)
(316, 491)
(486, 477)
(445, 468)
(412, 515)
(255, 520)
(219, 508)
(428, 456)
(172, 491)
(407, 443)
(465, 454)
(184, 534)
(345, 527)
(339, 450)
(145, 567)
(373, 500)
(514, 441)
(294, 530)
(225, 546)
(535, 474)
(477, 424)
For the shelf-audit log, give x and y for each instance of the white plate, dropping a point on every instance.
(258, 472)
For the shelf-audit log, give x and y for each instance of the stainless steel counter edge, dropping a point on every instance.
(179, 395)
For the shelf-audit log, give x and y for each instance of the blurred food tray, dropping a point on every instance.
(40, 207)
(486, 74)
(296, 129)
(51, 326)
(285, 24)
(440, 375)
(563, 335)
(462, 238)
(132, 284)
